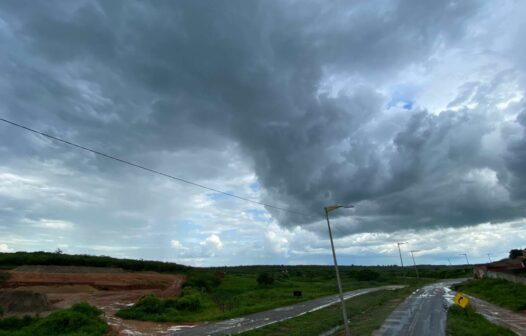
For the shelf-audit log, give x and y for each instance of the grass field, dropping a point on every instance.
(81, 319)
(238, 293)
(367, 313)
(499, 292)
(469, 323)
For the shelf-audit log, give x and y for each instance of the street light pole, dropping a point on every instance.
(344, 311)
(414, 263)
(400, 253)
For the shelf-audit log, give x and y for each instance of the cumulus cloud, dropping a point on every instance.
(212, 243)
(5, 248)
(177, 245)
(412, 111)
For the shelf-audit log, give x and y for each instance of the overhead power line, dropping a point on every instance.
(148, 169)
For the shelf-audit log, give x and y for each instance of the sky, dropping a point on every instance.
(413, 111)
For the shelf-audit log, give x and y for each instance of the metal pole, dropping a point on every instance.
(344, 312)
(401, 261)
(489, 257)
(414, 263)
(465, 255)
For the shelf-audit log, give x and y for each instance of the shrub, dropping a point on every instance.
(15, 323)
(151, 308)
(265, 279)
(80, 319)
(190, 303)
(206, 281)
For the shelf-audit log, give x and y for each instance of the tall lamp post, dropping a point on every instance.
(344, 311)
(467, 260)
(414, 263)
(400, 253)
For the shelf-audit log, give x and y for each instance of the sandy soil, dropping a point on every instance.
(107, 291)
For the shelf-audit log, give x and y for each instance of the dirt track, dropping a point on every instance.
(108, 291)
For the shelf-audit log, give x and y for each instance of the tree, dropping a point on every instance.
(516, 253)
(265, 279)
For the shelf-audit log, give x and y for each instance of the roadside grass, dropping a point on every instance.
(240, 294)
(500, 292)
(79, 320)
(367, 313)
(469, 323)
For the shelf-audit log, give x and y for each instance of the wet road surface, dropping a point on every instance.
(423, 313)
(257, 320)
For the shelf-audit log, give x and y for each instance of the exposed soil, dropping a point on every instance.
(62, 287)
(15, 302)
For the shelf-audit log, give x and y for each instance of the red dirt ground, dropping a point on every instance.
(107, 291)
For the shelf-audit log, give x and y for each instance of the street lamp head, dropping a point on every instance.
(334, 207)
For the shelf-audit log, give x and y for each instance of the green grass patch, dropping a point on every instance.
(79, 320)
(502, 293)
(467, 322)
(367, 313)
(238, 292)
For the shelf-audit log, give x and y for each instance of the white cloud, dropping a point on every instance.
(52, 224)
(5, 248)
(212, 242)
(177, 245)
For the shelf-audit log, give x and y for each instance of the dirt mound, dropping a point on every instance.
(102, 281)
(67, 269)
(23, 302)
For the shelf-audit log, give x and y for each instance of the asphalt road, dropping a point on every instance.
(424, 312)
(257, 320)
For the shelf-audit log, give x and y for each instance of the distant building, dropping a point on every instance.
(509, 266)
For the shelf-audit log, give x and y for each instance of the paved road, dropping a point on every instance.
(501, 316)
(257, 320)
(422, 313)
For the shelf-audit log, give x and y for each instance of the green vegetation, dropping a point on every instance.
(367, 313)
(79, 320)
(151, 308)
(61, 259)
(235, 291)
(265, 279)
(503, 293)
(467, 322)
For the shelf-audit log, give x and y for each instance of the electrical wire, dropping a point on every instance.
(149, 169)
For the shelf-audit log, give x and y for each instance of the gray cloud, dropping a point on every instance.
(257, 78)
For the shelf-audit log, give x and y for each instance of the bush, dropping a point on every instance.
(151, 308)
(190, 303)
(206, 281)
(265, 279)
(80, 319)
(15, 323)
(367, 275)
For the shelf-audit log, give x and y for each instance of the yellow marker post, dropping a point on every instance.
(461, 300)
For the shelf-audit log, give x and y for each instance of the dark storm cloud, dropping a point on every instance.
(166, 76)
